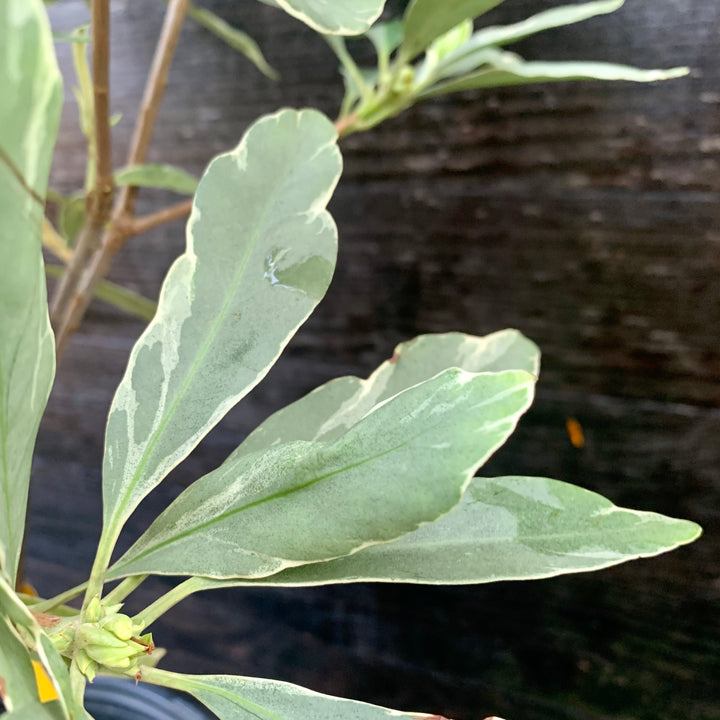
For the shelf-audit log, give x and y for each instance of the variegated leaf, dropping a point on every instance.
(260, 253)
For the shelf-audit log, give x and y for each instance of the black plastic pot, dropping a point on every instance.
(110, 698)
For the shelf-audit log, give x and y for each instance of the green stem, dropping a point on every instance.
(61, 599)
(108, 538)
(169, 599)
(121, 591)
(165, 678)
(77, 683)
(339, 48)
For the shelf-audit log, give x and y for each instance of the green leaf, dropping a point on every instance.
(386, 38)
(117, 295)
(17, 677)
(440, 48)
(31, 92)
(167, 177)
(335, 17)
(71, 216)
(333, 408)
(504, 68)
(244, 698)
(235, 38)
(17, 619)
(469, 57)
(426, 20)
(37, 711)
(404, 464)
(508, 528)
(261, 251)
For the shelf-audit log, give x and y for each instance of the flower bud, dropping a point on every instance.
(94, 610)
(111, 657)
(119, 625)
(88, 634)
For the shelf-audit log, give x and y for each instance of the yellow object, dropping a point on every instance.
(27, 589)
(575, 433)
(53, 242)
(46, 690)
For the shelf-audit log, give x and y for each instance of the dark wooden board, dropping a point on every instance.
(586, 215)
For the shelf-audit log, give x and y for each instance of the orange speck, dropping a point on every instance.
(575, 433)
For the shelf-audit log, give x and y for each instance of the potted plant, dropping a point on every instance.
(368, 479)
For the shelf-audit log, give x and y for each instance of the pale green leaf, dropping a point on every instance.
(335, 17)
(440, 48)
(504, 68)
(36, 710)
(426, 20)
(333, 408)
(469, 57)
(260, 253)
(126, 299)
(17, 619)
(386, 37)
(404, 464)
(117, 295)
(508, 528)
(167, 177)
(31, 98)
(234, 37)
(245, 698)
(17, 677)
(71, 216)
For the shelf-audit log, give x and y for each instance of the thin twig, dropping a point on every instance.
(142, 224)
(117, 233)
(99, 200)
(101, 96)
(154, 90)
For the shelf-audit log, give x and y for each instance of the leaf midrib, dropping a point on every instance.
(298, 488)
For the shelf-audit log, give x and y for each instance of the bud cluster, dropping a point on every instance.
(107, 639)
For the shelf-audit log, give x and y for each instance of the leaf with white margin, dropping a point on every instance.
(335, 17)
(260, 253)
(30, 104)
(506, 528)
(232, 697)
(333, 408)
(502, 69)
(468, 57)
(403, 465)
(426, 20)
